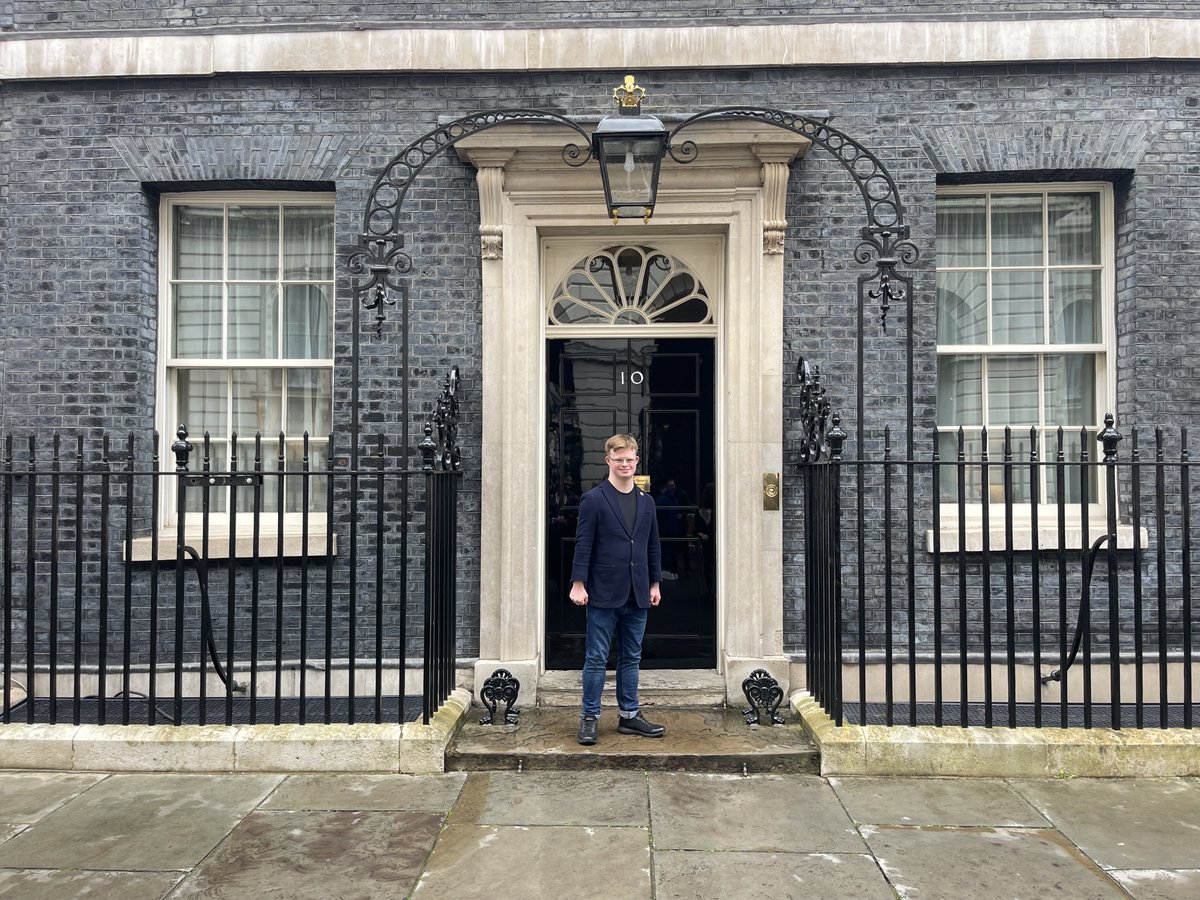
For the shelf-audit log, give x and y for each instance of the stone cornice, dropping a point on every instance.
(944, 42)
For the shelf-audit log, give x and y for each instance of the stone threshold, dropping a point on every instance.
(656, 687)
(997, 752)
(409, 748)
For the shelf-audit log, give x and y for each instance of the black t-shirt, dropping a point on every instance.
(628, 503)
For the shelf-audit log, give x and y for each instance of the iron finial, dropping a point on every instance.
(1109, 437)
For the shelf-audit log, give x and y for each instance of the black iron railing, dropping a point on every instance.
(1038, 579)
(282, 593)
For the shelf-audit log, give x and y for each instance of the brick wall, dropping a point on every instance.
(83, 162)
(32, 16)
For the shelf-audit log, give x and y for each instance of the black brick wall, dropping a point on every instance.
(82, 163)
(29, 16)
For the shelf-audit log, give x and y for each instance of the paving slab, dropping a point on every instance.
(986, 863)
(318, 855)
(563, 798)
(1124, 823)
(28, 796)
(428, 793)
(797, 813)
(7, 831)
(483, 862)
(1160, 884)
(935, 801)
(40, 884)
(701, 874)
(138, 822)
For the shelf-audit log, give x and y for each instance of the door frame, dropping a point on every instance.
(735, 192)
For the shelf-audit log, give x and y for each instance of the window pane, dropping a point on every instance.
(218, 461)
(1012, 390)
(1075, 307)
(253, 242)
(306, 322)
(258, 402)
(962, 307)
(199, 232)
(961, 231)
(1074, 232)
(960, 391)
(1018, 475)
(1071, 390)
(1017, 230)
(317, 484)
(202, 401)
(269, 492)
(307, 243)
(196, 317)
(951, 471)
(253, 321)
(1070, 483)
(309, 401)
(1016, 307)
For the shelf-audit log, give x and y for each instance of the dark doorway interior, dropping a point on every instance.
(661, 391)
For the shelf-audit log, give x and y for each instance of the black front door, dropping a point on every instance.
(661, 391)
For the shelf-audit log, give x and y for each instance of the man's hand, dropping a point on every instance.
(579, 594)
(655, 594)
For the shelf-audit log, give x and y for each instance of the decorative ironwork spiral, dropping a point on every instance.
(443, 453)
(500, 687)
(764, 696)
(885, 236)
(814, 412)
(381, 257)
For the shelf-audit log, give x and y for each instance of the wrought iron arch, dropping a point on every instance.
(380, 263)
(885, 236)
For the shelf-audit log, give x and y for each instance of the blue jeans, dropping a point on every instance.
(628, 624)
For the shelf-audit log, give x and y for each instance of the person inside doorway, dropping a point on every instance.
(616, 574)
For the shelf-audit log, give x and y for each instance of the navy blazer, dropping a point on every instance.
(611, 562)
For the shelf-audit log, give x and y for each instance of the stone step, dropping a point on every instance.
(656, 688)
(698, 739)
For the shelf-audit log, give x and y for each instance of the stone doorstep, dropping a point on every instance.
(410, 748)
(997, 752)
(698, 739)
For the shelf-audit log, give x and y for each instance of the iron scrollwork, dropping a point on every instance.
(500, 687)
(884, 237)
(764, 695)
(381, 258)
(443, 452)
(814, 412)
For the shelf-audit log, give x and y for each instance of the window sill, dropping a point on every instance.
(269, 545)
(1047, 538)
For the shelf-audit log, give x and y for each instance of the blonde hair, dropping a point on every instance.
(620, 442)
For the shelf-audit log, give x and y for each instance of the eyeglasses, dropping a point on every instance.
(622, 462)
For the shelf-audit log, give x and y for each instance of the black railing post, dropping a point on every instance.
(1109, 438)
(6, 584)
(182, 449)
(427, 448)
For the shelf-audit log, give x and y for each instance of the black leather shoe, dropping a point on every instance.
(638, 725)
(587, 730)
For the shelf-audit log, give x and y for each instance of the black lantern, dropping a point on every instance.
(630, 147)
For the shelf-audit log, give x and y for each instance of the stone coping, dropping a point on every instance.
(997, 752)
(409, 748)
(551, 48)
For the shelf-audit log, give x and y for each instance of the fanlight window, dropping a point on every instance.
(628, 285)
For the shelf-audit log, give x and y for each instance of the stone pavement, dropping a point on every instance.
(594, 834)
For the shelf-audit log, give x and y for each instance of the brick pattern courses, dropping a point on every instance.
(33, 16)
(79, 227)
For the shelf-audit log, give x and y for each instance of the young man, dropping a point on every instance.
(616, 574)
